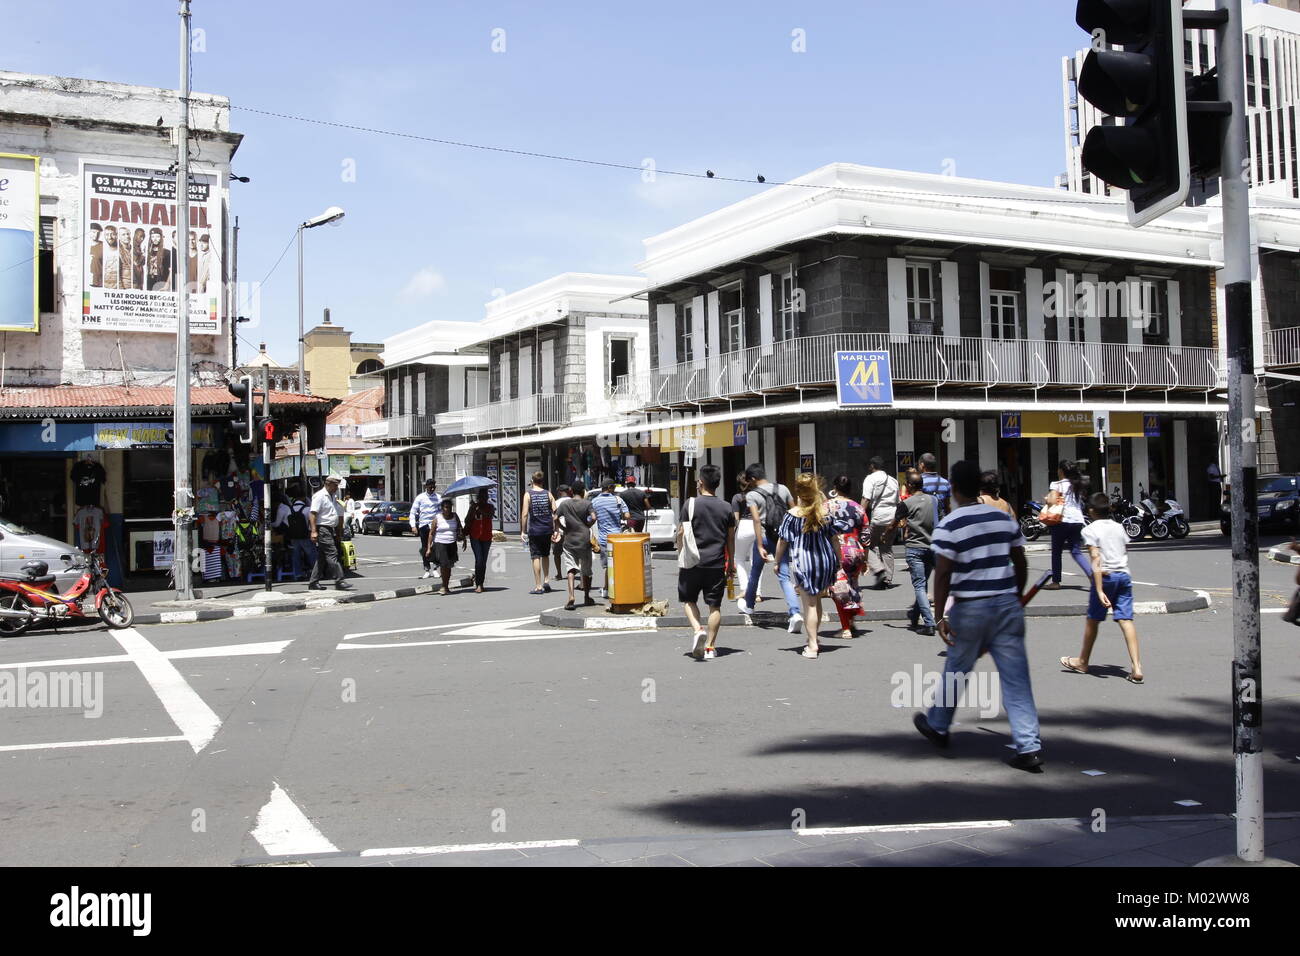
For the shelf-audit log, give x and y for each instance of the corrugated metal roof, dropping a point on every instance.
(94, 401)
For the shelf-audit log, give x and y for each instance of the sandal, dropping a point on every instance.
(1065, 662)
(812, 656)
(536, 591)
(444, 591)
(1134, 680)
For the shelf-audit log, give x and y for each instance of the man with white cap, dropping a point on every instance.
(326, 519)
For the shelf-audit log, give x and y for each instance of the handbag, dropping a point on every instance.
(1054, 511)
(689, 556)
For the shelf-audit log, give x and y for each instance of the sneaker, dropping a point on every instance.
(743, 607)
(710, 653)
(795, 625)
(927, 631)
(697, 647)
(426, 574)
(1032, 761)
(928, 732)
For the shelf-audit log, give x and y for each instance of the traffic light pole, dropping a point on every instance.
(1247, 695)
(268, 456)
(183, 503)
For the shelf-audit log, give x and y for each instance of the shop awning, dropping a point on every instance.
(559, 434)
(402, 449)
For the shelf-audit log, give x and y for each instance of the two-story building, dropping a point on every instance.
(554, 352)
(1012, 316)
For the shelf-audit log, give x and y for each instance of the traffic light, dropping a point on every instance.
(241, 409)
(1144, 86)
(268, 431)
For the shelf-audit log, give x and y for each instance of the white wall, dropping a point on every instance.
(598, 326)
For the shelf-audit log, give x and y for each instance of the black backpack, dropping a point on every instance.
(774, 509)
(296, 523)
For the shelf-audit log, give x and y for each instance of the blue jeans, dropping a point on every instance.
(1068, 536)
(758, 566)
(997, 624)
(920, 561)
(480, 549)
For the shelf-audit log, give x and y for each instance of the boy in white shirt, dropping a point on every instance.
(1112, 587)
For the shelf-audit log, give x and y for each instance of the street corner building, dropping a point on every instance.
(89, 290)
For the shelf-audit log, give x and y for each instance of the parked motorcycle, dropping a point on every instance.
(1162, 517)
(30, 596)
(1030, 526)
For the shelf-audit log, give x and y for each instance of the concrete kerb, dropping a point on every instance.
(567, 620)
(313, 600)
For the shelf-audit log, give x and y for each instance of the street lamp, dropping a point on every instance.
(332, 214)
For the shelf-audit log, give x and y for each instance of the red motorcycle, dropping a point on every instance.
(29, 596)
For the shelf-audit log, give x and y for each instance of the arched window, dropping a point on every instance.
(368, 366)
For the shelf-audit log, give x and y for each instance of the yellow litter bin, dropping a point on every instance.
(629, 568)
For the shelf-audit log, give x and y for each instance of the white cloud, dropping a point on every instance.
(422, 285)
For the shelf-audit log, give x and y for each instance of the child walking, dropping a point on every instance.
(1112, 587)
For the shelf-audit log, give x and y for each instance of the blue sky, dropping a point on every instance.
(431, 231)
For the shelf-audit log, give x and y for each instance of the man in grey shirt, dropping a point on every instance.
(574, 517)
(916, 517)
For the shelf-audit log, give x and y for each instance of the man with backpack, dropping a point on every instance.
(291, 519)
(880, 502)
(768, 504)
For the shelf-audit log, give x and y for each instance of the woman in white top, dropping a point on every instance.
(1071, 491)
(447, 530)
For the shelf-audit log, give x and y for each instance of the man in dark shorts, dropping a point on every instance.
(713, 525)
(634, 498)
(574, 517)
(537, 524)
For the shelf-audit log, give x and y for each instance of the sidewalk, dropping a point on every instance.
(890, 605)
(224, 601)
(1164, 841)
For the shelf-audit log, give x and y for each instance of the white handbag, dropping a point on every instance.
(689, 555)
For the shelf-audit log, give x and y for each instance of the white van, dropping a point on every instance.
(660, 519)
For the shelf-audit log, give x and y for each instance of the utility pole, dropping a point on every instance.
(1247, 694)
(181, 453)
(268, 456)
(232, 311)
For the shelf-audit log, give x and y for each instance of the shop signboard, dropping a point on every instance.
(130, 264)
(1074, 424)
(119, 435)
(740, 433)
(357, 464)
(863, 379)
(807, 463)
(20, 203)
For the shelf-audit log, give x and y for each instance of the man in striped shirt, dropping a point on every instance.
(980, 560)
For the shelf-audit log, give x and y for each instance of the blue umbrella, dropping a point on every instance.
(468, 485)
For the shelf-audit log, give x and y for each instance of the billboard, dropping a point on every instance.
(20, 204)
(130, 264)
(863, 378)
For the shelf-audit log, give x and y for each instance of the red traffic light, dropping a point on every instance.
(268, 429)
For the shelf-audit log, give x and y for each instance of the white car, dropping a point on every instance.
(660, 519)
(18, 545)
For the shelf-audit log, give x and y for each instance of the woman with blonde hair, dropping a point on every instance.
(810, 531)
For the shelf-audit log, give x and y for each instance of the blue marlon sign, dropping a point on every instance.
(863, 378)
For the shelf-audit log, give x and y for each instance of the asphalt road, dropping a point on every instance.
(457, 720)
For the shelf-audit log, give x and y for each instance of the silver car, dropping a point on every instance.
(18, 545)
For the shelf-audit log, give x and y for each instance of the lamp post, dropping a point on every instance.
(332, 214)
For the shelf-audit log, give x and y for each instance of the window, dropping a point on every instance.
(368, 366)
(1004, 309)
(920, 298)
(789, 309)
(686, 341)
(48, 281)
(420, 392)
(618, 357)
(733, 317)
(1154, 330)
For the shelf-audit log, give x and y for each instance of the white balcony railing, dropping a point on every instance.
(926, 360)
(533, 411)
(408, 426)
(1282, 348)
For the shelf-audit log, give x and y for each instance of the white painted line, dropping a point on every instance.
(195, 718)
(1205, 594)
(228, 650)
(112, 741)
(615, 624)
(905, 828)
(1094, 773)
(249, 611)
(185, 653)
(1272, 610)
(465, 848)
(1188, 803)
(470, 640)
(284, 830)
(385, 595)
(179, 617)
(322, 602)
(402, 630)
